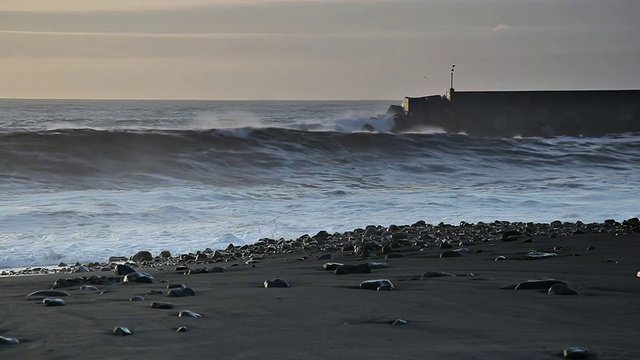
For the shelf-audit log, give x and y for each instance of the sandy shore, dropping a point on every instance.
(474, 315)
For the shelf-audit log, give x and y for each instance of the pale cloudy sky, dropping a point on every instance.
(312, 49)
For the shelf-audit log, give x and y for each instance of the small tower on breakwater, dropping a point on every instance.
(451, 90)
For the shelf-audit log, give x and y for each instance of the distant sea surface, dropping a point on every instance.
(85, 180)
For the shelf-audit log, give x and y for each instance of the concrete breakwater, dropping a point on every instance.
(522, 113)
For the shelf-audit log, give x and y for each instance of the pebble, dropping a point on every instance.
(353, 269)
(575, 353)
(8, 341)
(141, 256)
(450, 254)
(47, 293)
(123, 269)
(162, 305)
(533, 255)
(399, 322)
(189, 313)
(181, 292)
(139, 277)
(638, 274)
(136, 298)
(561, 289)
(176, 286)
(377, 284)
(377, 265)
(430, 274)
(275, 283)
(182, 329)
(331, 266)
(500, 258)
(538, 284)
(395, 255)
(122, 331)
(51, 301)
(88, 288)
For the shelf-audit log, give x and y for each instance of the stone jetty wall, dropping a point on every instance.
(526, 113)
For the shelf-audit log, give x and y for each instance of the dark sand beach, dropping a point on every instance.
(474, 315)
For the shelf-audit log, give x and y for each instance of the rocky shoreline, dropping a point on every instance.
(371, 241)
(498, 290)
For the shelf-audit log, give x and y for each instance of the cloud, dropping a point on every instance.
(502, 27)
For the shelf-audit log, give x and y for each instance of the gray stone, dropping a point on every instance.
(182, 329)
(139, 277)
(181, 292)
(8, 341)
(122, 331)
(123, 269)
(538, 284)
(176, 286)
(165, 254)
(450, 254)
(576, 353)
(51, 301)
(136, 298)
(141, 256)
(394, 255)
(88, 288)
(561, 289)
(500, 258)
(275, 283)
(189, 313)
(46, 293)
(431, 274)
(377, 265)
(331, 266)
(377, 284)
(162, 305)
(353, 269)
(534, 255)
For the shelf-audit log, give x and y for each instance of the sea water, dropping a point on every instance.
(85, 180)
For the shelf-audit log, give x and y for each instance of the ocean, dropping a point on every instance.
(83, 180)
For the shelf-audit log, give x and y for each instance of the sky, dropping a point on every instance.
(312, 49)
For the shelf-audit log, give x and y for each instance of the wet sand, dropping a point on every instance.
(473, 315)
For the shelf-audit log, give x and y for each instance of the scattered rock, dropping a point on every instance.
(162, 305)
(182, 329)
(353, 269)
(141, 256)
(8, 341)
(377, 265)
(181, 292)
(176, 286)
(189, 313)
(136, 298)
(431, 274)
(561, 289)
(275, 283)
(500, 258)
(450, 254)
(165, 254)
(377, 284)
(538, 284)
(155, 292)
(395, 255)
(88, 288)
(81, 269)
(122, 331)
(123, 269)
(139, 277)
(51, 301)
(575, 353)
(47, 293)
(399, 322)
(331, 266)
(533, 255)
